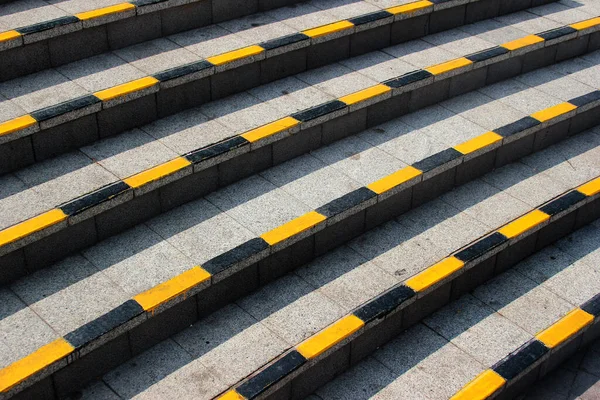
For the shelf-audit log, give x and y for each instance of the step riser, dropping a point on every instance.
(92, 123)
(124, 211)
(51, 48)
(128, 340)
(301, 382)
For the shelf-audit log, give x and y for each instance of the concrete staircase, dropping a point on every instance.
(251, 199)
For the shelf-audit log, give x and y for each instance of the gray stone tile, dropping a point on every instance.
(65, 177)
(483, 110)
(397, 250)
(358, 159)
(9, 109)
(257, 28)
(289, 95)
(586, 386)
(486, 203)
(292, 309)
(494, 31)
(22, 331)
(337, 80)
(458, 42)
(583, 245)
(241, 112)
(545, 264)
(200, 230)
(258, 204)
(28, 12)
(101, 72)
(187, 131)
(591, 360)
(388, 3)
(137, 260)
(579, 69)
(344, 9)
(453, 130)
(98, 391)
(209, 41)
(147, 369)
(420, 53)
(18, 202)
(156, 55)
(129, 153)
(571, 162)
(302, 16)
(402, 141)
(560, 13)
(478, 330)
(77, 6)
(524, 183)
(523, 301)
(361, 382)
(310, 180)
(346, 277)
(378, 65)
(520, 96)
(528, 22)
(551, 82)
(39, 90)
(426, 364)
(554, 386)
(69, 294)
(224, 338)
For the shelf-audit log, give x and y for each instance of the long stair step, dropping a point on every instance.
(59, 109)
(130, 265)
(91, 194)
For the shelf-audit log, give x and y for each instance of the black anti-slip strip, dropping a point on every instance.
(487, 54)
(89, 200)
(563, 202)
(271, 375)
(592, 306)
(556, 33)
(384, 304)
(225, 146)
(182, 70)
(283, 41)
(515, 363)
(346, 202)
(481, 247)
(375, 16)
(103, 324)
(432, 162)
(408, 78)
(65, 107)
(319, 111)
(586, 99)
(44, 26)
(516, 127)
(235, 255)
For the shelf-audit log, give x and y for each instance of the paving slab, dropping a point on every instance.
(156, 55)
(18, 201)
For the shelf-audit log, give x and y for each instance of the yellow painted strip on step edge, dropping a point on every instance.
(25, 228)
(589, 23)
(524, 223)
(126, 88)
(365, 94)
(9, 35)
(449, 66)
(478, 142)
(231, 395)
(553, 112)
(395, 179)
(16, 124)
(270, 129)
(152, 298)
(330, 336)
(411, 7)
(157, 172)
(235, 55)
(20, 370)
(480, 388)
(565, 328)
(328, 29)
(522, 42)
(101, 12)
(434, 274)
(590, 188)
(293, 227)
